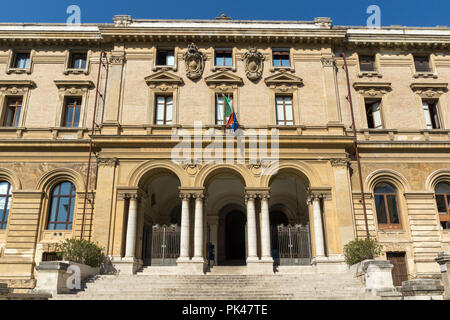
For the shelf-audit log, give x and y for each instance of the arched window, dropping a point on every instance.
(443, 203)
(386, 205)
(62, 203)
(5, 203)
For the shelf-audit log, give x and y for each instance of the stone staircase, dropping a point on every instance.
(223, 283)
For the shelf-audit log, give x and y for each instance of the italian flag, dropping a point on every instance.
(229, 113)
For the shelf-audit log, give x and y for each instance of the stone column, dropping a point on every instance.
(265, 228)
(251, 227)
(184, 237)
(130, 247)
(318, 226)
(198, 228)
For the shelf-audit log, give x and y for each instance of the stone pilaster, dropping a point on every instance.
(330, 90)
(113, 97)
(343, 201)
(104, 201)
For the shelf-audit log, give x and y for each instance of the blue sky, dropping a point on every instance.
(343, 12)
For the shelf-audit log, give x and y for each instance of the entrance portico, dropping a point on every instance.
(224, 214)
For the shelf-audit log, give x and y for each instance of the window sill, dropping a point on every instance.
(370, 74)
(18, 71)
(68, 133)
(223, 68)
(425, 75)
(76, 71)
(164, 68)
(276, 69)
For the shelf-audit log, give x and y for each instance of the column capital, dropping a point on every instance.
(250, 196)
(311, 197)
(264, 196)
(127, 193)
(134, 196)
(340, 162)
(107, 162)
(318, 193)
(198, 196)
(185, 196)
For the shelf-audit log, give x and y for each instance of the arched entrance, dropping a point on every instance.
(226, 217)
(289, 219)
(235, 253)
(161, 220)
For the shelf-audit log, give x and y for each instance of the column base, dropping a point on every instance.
(194, 266)
(263, 266)
(333, 263)
(126, 265)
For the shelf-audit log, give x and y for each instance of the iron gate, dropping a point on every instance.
(291, 245)
(165, 245)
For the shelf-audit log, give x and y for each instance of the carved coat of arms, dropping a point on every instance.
(253, 63)
(194, 61)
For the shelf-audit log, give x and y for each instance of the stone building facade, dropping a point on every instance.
(160, 79)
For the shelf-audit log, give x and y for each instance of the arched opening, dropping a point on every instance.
(289, 219)
(225, 218)
(161, 219)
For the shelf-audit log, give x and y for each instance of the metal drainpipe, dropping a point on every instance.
(349, 99)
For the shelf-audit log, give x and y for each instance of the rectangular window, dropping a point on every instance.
(285, 115)
(13, 109)
(373, 113)
(164, 107)
(422, 63)
(165, 58)
(430, 110)
(221, 112)
(367, 63)
(72, 110)
(21, 60)
(280, 57)
(223, 57)
(77, 61)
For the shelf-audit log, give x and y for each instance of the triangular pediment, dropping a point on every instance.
(163, 77)
(223, 77)
(283, 78)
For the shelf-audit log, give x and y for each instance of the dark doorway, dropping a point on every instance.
(399, 272)
(235, 238)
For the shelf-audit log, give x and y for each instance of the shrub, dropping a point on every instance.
(361, 249)
(81, 251)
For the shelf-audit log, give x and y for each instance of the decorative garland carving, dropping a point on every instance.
(194, 61)
(253, 63)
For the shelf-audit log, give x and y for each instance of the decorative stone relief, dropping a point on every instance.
(328, 62)
(340, 162)
(253, 63)
(12, 87)
(116, 59)
(74, 87)
(283, 81)
(163, 80)
(372, 89)
(194, 61)
(122, 20)
(430, 90)
(192, 168)
(107, 162)
(258, 167)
